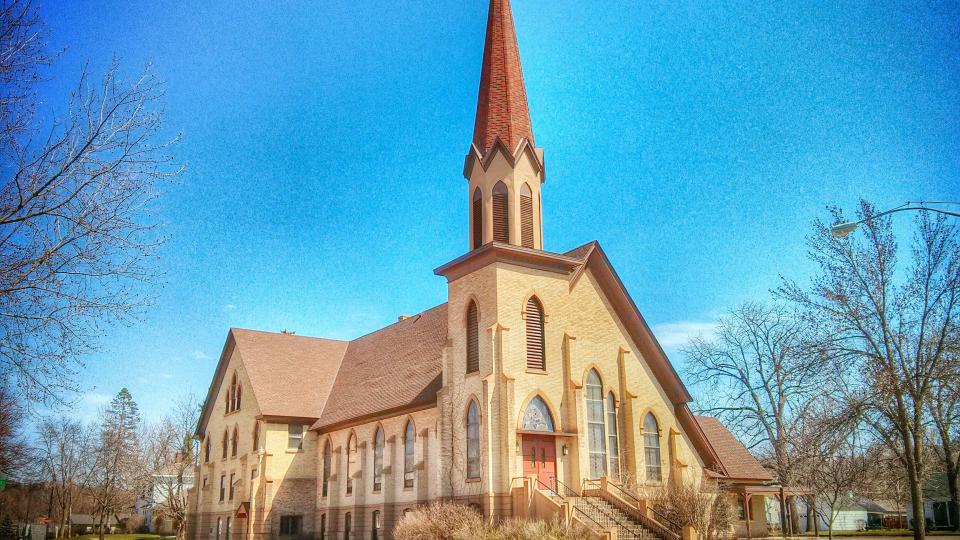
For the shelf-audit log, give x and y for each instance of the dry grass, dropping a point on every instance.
(442, 521)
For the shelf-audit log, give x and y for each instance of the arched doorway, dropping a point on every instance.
(539, 451)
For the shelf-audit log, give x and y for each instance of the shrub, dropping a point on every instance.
(521, 529)
(441, 521)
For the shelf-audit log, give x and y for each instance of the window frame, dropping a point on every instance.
(652, 453)
(293, 435)
(378, 441)
(596, 425)
(409, 455)
(472, 424)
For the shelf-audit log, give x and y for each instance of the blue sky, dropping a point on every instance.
(696, 141)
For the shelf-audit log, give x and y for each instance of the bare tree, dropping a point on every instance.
(835, 464)
(170, 453)
(14, 451)
(944, 409)
(890, 326)
(77, 231)
(117, 481)
(764, 368)
(68, 463)
(698, 504)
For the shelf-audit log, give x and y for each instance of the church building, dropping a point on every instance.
(538, 383)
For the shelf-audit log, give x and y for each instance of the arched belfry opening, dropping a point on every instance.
(504, 166)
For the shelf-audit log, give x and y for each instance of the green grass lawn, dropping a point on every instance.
(883, 532)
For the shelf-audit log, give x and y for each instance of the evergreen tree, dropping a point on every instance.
(118, 456)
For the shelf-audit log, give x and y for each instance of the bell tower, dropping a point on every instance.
(504, 168)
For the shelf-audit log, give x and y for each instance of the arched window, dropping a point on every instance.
(537, 416)
(613, 432)
(501, 213)
(232, 394)
(651, 448)
(378, 460)
(236, 397)
(323, 527)
(534, 319)
(377, 526)
(598, 446)
(473, 441)
(473, 338)
(226, 402)
(526, 216)
(409, 455)
(326, 467)
(477, 210)
(235, 442)
(347, 525)
(351, 461)
(256, 436)
(226, 443)
(206, 450)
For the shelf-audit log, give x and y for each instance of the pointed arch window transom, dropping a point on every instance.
(537, 416)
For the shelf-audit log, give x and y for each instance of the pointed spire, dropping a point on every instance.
(502, 110)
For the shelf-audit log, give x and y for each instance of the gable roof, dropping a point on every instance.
(393, 369)
(275, 364)
(737, 461)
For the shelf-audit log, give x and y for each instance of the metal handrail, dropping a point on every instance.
(662, 518)
(563, 498)
(603, 510)
(662, 525)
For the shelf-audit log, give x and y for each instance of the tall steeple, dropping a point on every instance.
(503, 166)
(502, 110)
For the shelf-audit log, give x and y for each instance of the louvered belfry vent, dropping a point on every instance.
(501, 213)
(526, 217)
(477, 217)
(534, 319)
(473, 338)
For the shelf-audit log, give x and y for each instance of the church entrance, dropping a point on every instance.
(540, 459)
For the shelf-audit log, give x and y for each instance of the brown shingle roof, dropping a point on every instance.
(291, 375)
(502, 111)
(397, 367)
(738, 462)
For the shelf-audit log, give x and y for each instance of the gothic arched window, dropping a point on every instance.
(409, 454)
(533, 314)
(526, 216)
(226, 442)
(595, 432)
(651, 448)
(473, 338)
(235, 442)
(378, 460)
(501, 213)
(473, 441)
(613, 432)
(351, 461)
(537, 416)
(326, 468)
(477, 217)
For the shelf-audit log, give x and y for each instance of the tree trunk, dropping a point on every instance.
(916, 502)
(953, 483)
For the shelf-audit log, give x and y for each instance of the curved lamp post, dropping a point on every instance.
(841, 230)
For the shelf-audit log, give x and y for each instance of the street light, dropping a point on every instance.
(841, 230)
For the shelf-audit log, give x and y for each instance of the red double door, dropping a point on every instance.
(540, 459)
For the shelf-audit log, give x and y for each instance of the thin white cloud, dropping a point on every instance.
(676, 334)
(229, 307)
(96, 399)
(199, 355)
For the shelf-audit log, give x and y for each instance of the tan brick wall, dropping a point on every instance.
(581, 329)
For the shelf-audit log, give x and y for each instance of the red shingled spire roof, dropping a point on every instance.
(502, 105)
